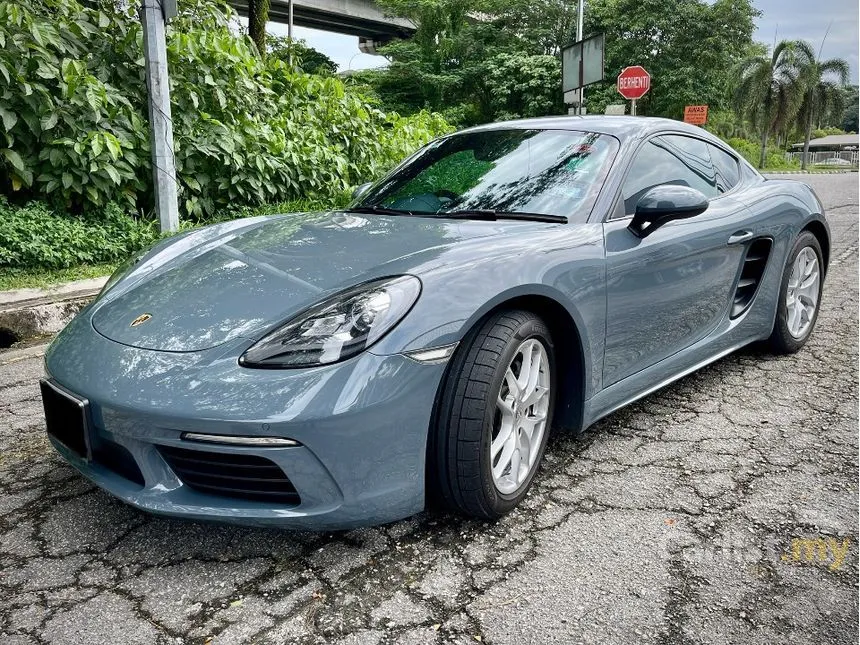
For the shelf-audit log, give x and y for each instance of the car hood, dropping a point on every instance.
(241, 279)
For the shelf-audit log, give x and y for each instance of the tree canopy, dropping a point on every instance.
(482, 60)
(247, 130)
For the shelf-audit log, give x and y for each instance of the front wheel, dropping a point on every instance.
(495, 415)
(799, 296)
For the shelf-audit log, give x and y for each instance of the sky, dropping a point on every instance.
(802, 19)
(343, 50)
(789, 19)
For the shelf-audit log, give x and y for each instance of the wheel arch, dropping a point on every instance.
(570, 358)
(819, 230)
(571, 348)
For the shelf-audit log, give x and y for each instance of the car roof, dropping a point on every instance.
(622, 127)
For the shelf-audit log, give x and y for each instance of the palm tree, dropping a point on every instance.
(770, 90)
(824, 80)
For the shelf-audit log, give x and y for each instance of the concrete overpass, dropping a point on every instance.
(362, 18)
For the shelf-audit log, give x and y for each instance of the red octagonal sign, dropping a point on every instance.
(634, 82)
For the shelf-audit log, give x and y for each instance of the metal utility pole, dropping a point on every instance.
(160, 125)
(289, 32)
(579, 25)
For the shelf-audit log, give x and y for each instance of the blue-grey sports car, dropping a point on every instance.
(338, 369)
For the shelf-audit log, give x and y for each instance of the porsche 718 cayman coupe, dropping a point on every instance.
(338, 369)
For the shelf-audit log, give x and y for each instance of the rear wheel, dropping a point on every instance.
(799, 296)
(495, 415)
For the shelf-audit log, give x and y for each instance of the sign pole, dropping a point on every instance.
(633, 107)
(160, 124)
(579, 25)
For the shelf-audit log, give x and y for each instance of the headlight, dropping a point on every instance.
(337, 328)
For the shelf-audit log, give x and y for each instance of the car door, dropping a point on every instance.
(668, 290)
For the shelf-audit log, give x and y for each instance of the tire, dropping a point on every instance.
(786, 337)
(469, 418)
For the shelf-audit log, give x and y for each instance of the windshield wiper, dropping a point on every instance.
(379, 210)
(492, 215)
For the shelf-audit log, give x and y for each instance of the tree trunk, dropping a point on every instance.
(763, 156)
(258, 16)
(808, 135)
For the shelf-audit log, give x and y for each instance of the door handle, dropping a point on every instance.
(740, 237)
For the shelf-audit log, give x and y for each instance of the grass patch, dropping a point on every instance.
(43, 278)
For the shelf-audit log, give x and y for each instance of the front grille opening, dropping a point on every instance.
(235, 475)
(118, 459)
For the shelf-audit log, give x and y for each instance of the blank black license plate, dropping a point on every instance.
(66, 417)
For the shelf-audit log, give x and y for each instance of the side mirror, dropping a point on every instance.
(663, 204)
(360, 190)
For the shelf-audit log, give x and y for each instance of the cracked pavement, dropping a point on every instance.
(680, 519)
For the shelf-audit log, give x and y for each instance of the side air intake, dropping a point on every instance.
(755, 263)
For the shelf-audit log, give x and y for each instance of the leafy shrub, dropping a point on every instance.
(73, 113)
(36, 236)
(68, 129)
(824, 132)
(302, 55)
(331, 202)
(726, 124)
(751, 151)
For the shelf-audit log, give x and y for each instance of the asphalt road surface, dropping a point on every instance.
(722, 509)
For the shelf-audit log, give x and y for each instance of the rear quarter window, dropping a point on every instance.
(728, 172)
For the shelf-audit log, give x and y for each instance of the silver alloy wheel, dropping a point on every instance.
(804, 285)
(522, 405)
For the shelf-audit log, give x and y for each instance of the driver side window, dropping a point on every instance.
(668, 159)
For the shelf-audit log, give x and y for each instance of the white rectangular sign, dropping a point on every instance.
(582, 63)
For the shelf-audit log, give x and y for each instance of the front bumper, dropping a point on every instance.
(362, 426)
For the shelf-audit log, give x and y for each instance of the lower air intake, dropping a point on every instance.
(233, 475)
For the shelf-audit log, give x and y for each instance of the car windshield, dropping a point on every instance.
(543, 172)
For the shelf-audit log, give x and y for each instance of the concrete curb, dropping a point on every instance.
(812, 172)
(28, 313)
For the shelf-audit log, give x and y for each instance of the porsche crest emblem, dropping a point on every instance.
(140, 320)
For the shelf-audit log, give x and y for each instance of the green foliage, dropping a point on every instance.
(826, 132)
(301, 55)
(73, 114)
(331, 202)
(458, 172)
(823, 81)
(788, 92)
(774, 158)
(507, 63)
(726, 124)
(525, 85)
(68, 130)
(689, 47)
(36, 236)
(40, 278)
(770, 89)
(473, 71)
(851, 114)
